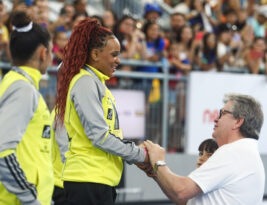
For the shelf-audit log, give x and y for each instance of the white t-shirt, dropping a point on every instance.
(233, 175)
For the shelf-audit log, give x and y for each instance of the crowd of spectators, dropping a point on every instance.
(202, 35)
(207, 35)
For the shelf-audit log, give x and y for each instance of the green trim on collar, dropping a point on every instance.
(100, 75)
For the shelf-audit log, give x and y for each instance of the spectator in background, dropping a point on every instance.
(178, 64)
(155, 45)
(258, 21)
(152, 12)
(179, 58)
(177, 21)
(132, 41)
(256, 56)
(98, 18)
(206, 150)
(242, 16)
(230, 18)
(224, 50)
(186, 47)
(64, 20)
(206, 57)
(60, 39)
(4, 15)
(80, 7)
(4, 35)
(199, 18)
(77, 17)
(42, 12)
(237, 46)
(109, 19)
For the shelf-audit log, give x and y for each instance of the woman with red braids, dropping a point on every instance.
(94, 161)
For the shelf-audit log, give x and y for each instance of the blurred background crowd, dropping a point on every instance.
(189, 35)
(207, 35)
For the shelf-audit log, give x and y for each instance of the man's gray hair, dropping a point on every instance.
(246, 107)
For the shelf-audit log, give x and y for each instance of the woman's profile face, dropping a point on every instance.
(107, 59)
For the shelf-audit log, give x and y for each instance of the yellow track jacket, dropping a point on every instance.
(26, 173)
(96, 148)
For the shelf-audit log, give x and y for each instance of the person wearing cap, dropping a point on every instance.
(26, 171)
(152, 12)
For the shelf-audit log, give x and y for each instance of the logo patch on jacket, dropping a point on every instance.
(110, 114)
(46, 132)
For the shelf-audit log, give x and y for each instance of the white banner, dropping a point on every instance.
(204, 99)
(130, 106)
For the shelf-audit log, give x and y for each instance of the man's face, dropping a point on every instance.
(223, 125)
(177, 21)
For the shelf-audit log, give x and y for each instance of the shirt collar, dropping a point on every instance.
(34, 74)
(100, 75)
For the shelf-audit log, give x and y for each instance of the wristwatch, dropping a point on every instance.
(158, 164)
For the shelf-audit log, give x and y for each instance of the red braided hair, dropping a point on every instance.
(87, 35)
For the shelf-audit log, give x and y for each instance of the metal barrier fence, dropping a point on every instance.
(164, 123)
(164, 118)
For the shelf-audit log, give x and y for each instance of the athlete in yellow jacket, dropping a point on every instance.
(26, 173)
(94, 161)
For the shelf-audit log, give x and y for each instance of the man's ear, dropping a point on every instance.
(239, 122)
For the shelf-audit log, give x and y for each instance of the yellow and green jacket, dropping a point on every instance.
(26, 173)
(97, 149)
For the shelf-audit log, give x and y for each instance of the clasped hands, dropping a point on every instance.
(154, 153)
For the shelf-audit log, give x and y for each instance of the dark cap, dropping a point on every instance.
(149, 7)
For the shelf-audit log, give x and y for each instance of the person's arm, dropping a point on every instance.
(18, 104)
(89, 108)
(14, 179)
(178, 188)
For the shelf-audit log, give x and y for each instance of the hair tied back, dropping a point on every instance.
(24, 29)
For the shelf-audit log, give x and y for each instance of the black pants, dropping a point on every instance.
(59, 196)
(86, 193)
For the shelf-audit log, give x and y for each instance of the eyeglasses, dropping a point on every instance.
(223, 112)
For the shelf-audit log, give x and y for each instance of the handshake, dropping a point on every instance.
(154, 157)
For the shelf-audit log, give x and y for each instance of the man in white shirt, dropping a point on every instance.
(234, 174)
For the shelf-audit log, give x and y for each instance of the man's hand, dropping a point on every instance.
(155, 152)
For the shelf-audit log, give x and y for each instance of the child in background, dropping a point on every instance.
(206, 149)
